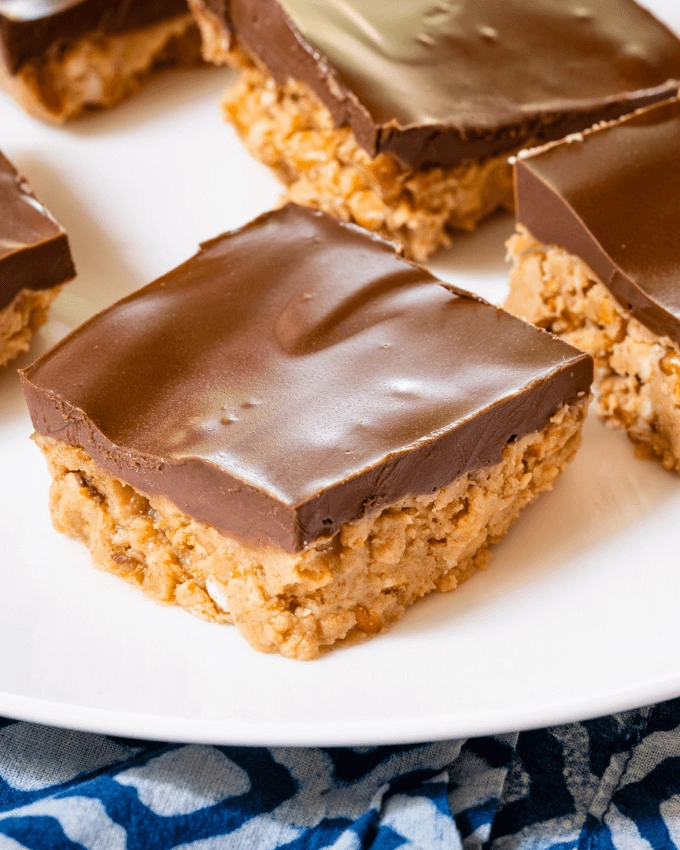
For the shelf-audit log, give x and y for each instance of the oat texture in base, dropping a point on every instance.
(340, 590)
(100, 70)
(21, 319)
(637, 373)
(323, 166)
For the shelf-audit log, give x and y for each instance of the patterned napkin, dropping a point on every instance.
(607, 783)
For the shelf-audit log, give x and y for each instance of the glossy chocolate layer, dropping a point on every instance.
(613, 199)
(34, 251)
(295, 373)
(29, 27)
(442, 82)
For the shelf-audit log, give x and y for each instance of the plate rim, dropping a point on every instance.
(430, 728)
(434, 725)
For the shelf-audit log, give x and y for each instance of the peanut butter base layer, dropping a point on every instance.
(338, 591)
(288, 129)
(99, 70)
(22, 317)
(637, 373)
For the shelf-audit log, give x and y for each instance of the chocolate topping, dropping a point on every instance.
(29, 27)
(613, 199)
(439, 83)
(34, 251)
(293, 374)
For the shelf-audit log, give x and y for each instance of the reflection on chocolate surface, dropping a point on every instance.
(34, 252)
(29, 27)
(613, 200)
(294, 373)
(438, 83)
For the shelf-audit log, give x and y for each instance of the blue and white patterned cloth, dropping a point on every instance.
(601, 784)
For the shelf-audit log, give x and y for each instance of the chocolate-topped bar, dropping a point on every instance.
(598, 261)
(34, 261)
(58, 57)
(300, 431)
(364, 96)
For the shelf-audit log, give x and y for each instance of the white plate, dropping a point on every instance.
(577, 615)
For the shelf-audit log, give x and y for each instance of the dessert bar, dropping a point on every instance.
(597, 261)
(300, 432)
(58, 57)
(401, 116)
(34, 261)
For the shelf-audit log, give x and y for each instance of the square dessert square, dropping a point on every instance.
(60, 57)
(597, 261)
(401, 117)
(301, 432)
(35, 260)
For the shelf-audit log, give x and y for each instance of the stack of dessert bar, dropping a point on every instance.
(35, 261)
(597, 261)
(59, 57)
(401, 116)
(299, 430)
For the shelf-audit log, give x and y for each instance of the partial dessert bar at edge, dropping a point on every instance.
(597, 261)
(300, 432)
(59, 57)
(35, 260)
(401, 117)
